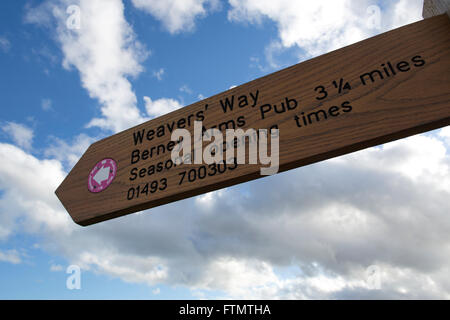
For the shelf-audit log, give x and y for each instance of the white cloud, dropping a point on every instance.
(104, 51)
(156, 291)
(11, 256)
(29, 185)
(429, 166)
(177, 15)
(240, 277)
(20, 134)
(56, 268)
(309, 233)
(159, 107)
(318, 27)
(159, 74)
(68, 153)
(271, 51)
(184, 88)
(5, 44)
(445, 134)
(404, 12)
(46, 104)
(45, 55)
(130, 268)
(207, 200)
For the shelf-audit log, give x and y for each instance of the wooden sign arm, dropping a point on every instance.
(378, 90)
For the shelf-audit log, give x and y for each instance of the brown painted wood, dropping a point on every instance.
(414, 100)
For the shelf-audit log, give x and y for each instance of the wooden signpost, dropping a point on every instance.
(378, 90)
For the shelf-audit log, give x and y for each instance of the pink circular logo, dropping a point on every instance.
(102, 175)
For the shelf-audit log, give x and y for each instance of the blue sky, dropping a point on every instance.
(132, 60)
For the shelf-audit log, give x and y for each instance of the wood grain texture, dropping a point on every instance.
(411, 95)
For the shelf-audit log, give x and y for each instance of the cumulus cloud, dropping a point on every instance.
(402, 12)
(105, 52)
(309, 233)
(317, 27)
(156, 291)
(28, 186)
(159, 74)
(177, 15)
(19, 133)
(56, 268)
(445, 134)
(185, 89)
(11, 256)
(68, 153)
(159, 107)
